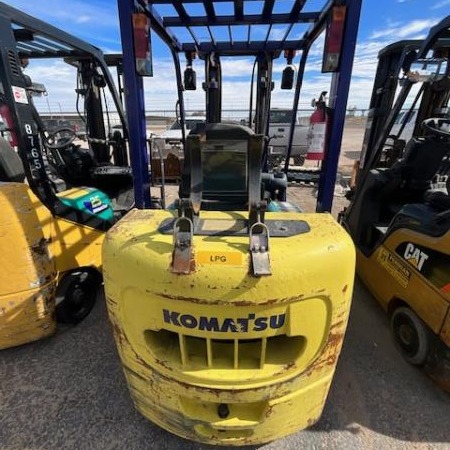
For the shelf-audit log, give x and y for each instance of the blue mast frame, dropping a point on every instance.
(135, 109)
(134, 92)
(340, 86)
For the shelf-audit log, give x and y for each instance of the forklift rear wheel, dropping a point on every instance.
(76, 295)
(411, 335)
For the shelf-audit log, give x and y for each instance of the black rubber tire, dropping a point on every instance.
(411, 335)
(76, 295)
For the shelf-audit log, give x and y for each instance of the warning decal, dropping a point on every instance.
(395, 268)
(20, 94)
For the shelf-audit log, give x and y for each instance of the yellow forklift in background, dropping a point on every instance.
(229, 310)
(57, 199)
(399, 213)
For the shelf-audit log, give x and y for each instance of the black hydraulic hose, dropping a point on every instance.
(269, 95)
(219, 73)
(107, 111)
(411, 109)
(86, 98)
(298, 86)
(77, 103)
(265, 158)
(176, 61)
(250, 114)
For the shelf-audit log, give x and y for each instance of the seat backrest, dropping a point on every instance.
(11, 167)
(421, 160)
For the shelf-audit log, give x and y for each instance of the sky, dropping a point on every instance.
(96, 21)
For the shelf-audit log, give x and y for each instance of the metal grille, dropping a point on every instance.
(189, 352)
(13, 63)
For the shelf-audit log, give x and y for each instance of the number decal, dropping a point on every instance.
(35, 159)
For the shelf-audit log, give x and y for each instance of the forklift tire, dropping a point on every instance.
(76, 295)
(411, 335)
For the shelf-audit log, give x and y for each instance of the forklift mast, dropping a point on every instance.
(394, 62)
(14, 99)
(263, 92)
(338, 18)
(95, 125)
(213, 88)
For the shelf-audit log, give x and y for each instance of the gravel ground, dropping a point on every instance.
(68, 392)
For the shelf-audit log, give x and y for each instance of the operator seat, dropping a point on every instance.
(11, 167)
(77, 166)
(438, 200)
(410, 177)
(421, 161)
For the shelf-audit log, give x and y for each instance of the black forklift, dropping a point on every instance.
(399, 211)
(58, 195)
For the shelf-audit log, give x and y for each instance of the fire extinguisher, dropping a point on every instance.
(6, 117)
(317, 134)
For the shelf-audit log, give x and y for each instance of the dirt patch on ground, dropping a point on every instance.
(351, 142)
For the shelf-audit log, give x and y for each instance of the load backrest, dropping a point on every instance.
(222, 161)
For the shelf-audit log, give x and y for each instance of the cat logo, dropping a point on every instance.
(415, 256)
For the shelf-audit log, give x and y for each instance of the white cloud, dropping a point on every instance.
(55, 11)
(398, 31)
(236, 67)
(160, 91)
(77, 17)
(441, 4)
(83, 19)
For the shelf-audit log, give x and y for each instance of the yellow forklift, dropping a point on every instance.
(399, 213)
(57, 198)
(229, 310)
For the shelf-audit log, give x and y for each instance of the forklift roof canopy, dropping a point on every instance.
(37, 39)
(206, 26)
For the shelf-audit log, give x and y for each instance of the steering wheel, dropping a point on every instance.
(434, 126)
(60, 137)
